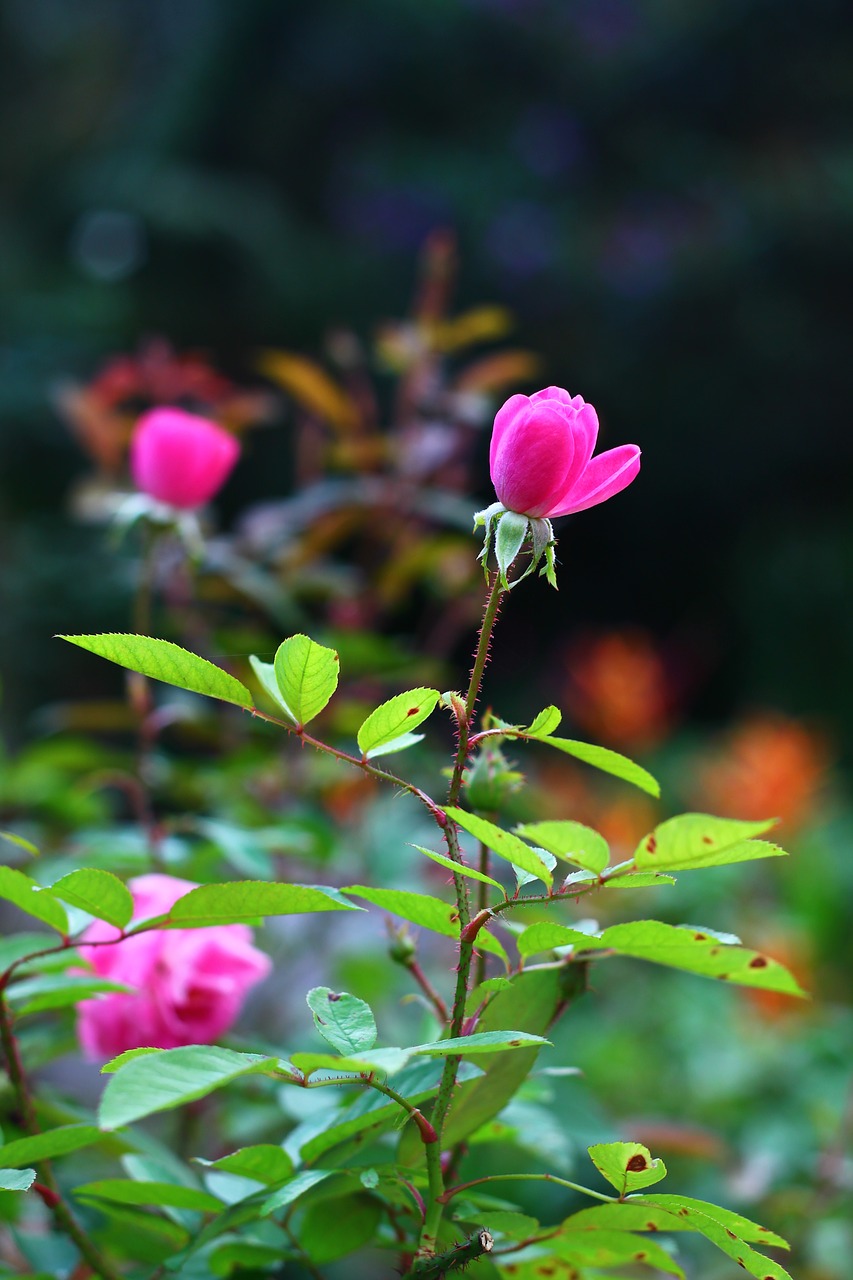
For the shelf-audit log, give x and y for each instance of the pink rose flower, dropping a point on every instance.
(541, 456)
(190, 983)
(179, 458)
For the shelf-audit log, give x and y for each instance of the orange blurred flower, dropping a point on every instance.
(619, 688)
(769, 765)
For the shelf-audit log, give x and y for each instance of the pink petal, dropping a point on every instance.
(605, 476)
(557, 393)
(533, 459)
(180, 458)
(504, 418)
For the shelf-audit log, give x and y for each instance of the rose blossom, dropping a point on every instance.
(541, 456)
(179, 458)
(190, 983)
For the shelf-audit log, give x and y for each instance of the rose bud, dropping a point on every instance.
(179, 458)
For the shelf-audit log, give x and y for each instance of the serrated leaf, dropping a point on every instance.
(430, 913)
(724, 1237)
(100, 893)
(671, 945)
(503, 843)
(545, 723)
(396, 744)
(742, 1227)
(171, 1194)
(157, 1082)
(610, 1248)
(389, 1061)
(263, 1163)
(481, 1042)
(399, 715)
(127, 1056)
(292, 1190)
(46, 1146)
(608, 761)
(19, 889)
(518, 1226)
(163, 660)
(344, 1020)
(245, 901)
(470, 872)
(701, 840)
(307, 676)
(627, 1166)
(571, 841)
(17, 1179)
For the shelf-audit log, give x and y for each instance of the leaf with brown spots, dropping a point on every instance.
(396, 717)
(626, 1165)
(718, 1226)
(700, 840)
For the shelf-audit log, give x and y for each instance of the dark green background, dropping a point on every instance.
(661, 191)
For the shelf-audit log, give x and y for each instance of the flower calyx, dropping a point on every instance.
(511, 532)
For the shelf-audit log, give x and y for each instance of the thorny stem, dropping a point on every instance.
(482, 903)
(51, 1196)
(424, 1127)
(435, 1207)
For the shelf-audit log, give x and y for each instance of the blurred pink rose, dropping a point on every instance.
(179, 458)
(191, 982)
(541, 456)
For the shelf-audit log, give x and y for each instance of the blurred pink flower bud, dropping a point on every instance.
(541, 456)
(190, 983)
(179, 458)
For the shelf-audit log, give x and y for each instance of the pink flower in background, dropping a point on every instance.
(541, 456)
(190, 983)
(179, 458)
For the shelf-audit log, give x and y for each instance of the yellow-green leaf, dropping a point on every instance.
(397, 716)
(162, 660)
(307, 675)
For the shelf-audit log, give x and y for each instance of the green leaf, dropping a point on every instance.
(569, 840)
(430, 913)
(678, 947)
(627, 1166)
(389, 1061)
(742, 1227)
(355, 1218)
(510, 532)
(470, 872)
(705, 1218)
(518, 1226)
(265, 672)
(307, 676)
(503, 843)
(395, 717)
(344, 1020)
(26, 845)
(162, 660)
(124, 1191)
(610, 1248)
(57, 991)
(481, 1042)
(109, 1068)
(263, 1163)
(608, 761)
(700, 840)
(19, 889)
(545, 723)
(396, 744)
(245, 901)
(99, 892)
(292, 1190)
(160, 1081)
(17, 1179)
(45, 1146)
